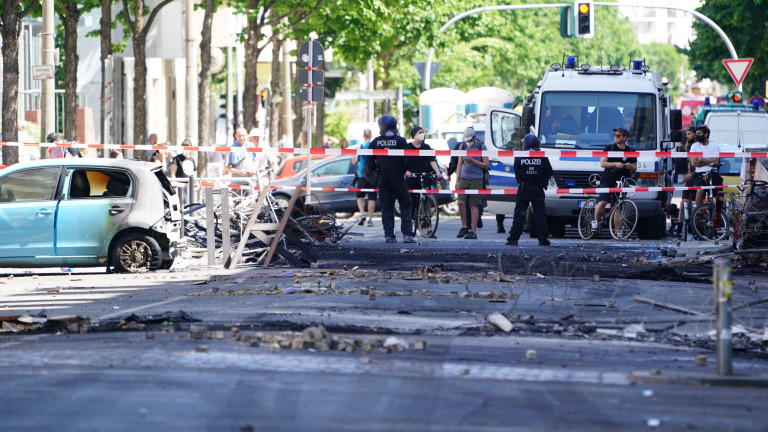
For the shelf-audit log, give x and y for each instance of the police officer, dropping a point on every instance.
(532, 174)
(392, 172)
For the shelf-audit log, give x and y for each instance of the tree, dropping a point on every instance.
(133, 15)
(746, 24)
(261, 14)
(105, 36)
(669, 62)
(204, 85)
(69, 12)
(10, 29)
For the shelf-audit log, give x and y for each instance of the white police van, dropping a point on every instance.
(576, 108)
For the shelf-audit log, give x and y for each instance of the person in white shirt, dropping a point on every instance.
(703, 164)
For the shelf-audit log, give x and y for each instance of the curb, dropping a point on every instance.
(746, 381)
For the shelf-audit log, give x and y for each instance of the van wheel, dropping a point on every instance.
(136, 253)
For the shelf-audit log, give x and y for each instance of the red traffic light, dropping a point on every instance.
(737, 97)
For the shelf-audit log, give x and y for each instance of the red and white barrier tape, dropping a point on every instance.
(559, 191)
(386, 152)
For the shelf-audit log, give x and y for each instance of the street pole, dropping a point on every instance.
(428, 66)
(287, 106)
(191, 54)
(722, 276)
(48, 86)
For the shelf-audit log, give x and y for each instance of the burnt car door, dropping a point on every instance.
(95, 203)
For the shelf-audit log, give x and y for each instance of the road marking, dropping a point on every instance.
(127, 311)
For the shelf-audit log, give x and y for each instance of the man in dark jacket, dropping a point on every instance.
(392, 172)
(532, 174)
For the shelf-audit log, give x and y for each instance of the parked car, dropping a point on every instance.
(296, 164)
(336, 172)
(117, 213)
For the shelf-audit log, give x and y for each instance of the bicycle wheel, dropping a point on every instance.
(704, 226)
(317, 223)
(586, 216)
(623, 219)
(428, 216)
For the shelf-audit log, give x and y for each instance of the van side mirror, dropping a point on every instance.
(676, 136)
(668, 145)
(675, 119)
(528, 117)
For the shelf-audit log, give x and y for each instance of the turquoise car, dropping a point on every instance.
(116, 213)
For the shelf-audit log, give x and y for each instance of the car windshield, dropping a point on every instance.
(454, 138)
(586, 120)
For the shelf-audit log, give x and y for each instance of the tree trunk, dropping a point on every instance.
(251, 84)
(139, 90)
(10, 32)
(71, 59)
(274, 100)
(204, 88)
(106, 51)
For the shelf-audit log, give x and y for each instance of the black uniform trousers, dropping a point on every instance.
(391, 188)
(529, 193)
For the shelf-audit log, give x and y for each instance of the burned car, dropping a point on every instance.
(117, 213)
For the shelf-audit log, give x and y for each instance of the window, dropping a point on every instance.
(587, 120)
(335, 168)
(92, 183)
(30, 185)
(504, 130)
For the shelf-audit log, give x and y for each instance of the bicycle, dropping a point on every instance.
(709, 221)
(621, 218)
(427, 212)
(749, 216)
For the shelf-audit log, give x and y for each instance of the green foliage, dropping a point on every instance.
(746, 24)
(669, 62)
(337, 121)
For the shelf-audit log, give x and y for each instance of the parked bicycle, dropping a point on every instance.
(709, 220)
(749, 216)
(621, 219)
(427, 213)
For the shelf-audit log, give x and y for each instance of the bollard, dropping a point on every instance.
(686, 220)
(190, 189)
(210, 228)
(722, 278)
(225, 234)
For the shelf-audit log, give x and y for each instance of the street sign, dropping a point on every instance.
(317, 94)
(317, 79)
(317, 54)
(42, 72)
(738, 68)
(757, 100)
(422, 66)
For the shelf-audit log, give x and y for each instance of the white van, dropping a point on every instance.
(746, 130)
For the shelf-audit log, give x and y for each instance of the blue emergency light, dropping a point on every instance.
(637, 64)
(570, 62)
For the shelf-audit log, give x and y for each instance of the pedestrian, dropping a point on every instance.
(471, 173)
(688, 195)
(240, 164)
(115, 154)
(362, 183)
(420, 165)
(532, 174)
(161, 157)
(183, 164)
(392, 171)
(703, 165)
(614, 168)
(344, 143)
(60, 152)
(267, 161)
(147, 155)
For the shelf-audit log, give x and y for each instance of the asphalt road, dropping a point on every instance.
(584, 344)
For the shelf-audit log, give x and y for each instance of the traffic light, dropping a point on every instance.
(736, 97)
(584, 19)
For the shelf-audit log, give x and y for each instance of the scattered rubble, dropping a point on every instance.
(500, 321)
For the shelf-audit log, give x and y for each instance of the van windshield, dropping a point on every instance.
(581, 120)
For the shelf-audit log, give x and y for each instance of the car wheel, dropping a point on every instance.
(451, 208)
(136, 253)
(282, 200)
(167, 264)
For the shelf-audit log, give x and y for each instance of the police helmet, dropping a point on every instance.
(53, 137)
(387, 123)
(530, 141)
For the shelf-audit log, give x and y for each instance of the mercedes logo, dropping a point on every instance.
(594, 180)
